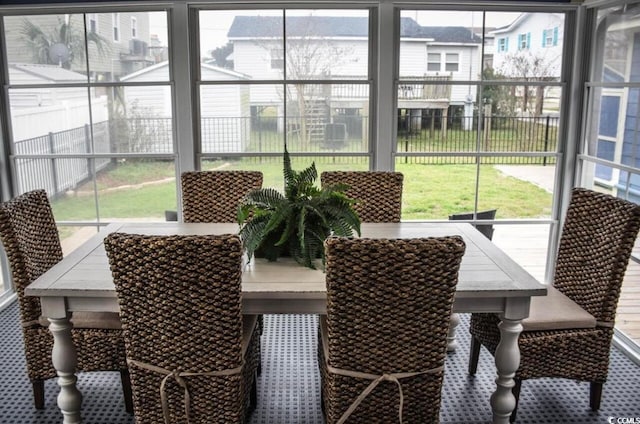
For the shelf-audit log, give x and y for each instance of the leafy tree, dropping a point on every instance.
(220, 55)
(309, 55)
(499, 96)
(528, 66)
(63, 44)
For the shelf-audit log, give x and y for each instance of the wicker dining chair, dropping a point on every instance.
(378, 194)
(214, 196)
(30, 238)
(568, 332)
(388, 308)
(191, 354)
(485, 229)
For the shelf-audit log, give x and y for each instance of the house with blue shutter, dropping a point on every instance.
(537, 36)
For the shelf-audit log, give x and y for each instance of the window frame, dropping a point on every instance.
(434, 63)
(451, 63)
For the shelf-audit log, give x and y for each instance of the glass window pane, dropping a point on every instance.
(614, 134)
(327, 117)
(516, 191)
(327, 44)
(619, 59)
(523, 102)
(523, 46)
(136, 189)
(61, 178)
(436, 187)
(526, 244)
(51, 120)
(55, 42)
(127, 45)
(425, 38)
(226, 123)
(138, 118)
(271, 167)
(241, 44)
(437, 117)
(242, 118)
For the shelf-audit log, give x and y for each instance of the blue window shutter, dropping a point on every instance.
(544, 38)
(528, 39)
(506, 44)
(555, 36)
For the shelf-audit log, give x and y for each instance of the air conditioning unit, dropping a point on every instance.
(335, 135)
(138, 47)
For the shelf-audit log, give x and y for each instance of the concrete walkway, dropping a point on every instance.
(542, 176)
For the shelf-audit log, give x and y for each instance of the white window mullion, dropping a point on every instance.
(386, 88)
(184, 115)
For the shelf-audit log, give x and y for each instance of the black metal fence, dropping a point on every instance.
(430, 133)
(433, 133)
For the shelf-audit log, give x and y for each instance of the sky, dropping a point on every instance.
(214, 25)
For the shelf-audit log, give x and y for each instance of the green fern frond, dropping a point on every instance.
(252, 233)
(266, 198)
(298, 222)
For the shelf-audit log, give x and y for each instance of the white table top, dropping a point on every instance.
(485, 271)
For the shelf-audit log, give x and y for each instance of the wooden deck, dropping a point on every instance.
(527, 245)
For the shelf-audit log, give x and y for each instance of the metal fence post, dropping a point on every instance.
(546, 141)
(54, 169)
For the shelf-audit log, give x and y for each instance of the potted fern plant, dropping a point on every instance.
(297, 223)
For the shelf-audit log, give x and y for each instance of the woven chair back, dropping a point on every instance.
(214, 196)
(379, 194)
(180, 306)
(597, 238)
(388, 309)
(30, 238)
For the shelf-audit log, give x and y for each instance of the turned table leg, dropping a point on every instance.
(507, 358)
(454, 321)
(64, 359)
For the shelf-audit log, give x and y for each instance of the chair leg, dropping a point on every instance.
(253, 395)
(516, 394)
(595, 395)
(259, 369)
(474, 355)
(126, 390)
(38, 393)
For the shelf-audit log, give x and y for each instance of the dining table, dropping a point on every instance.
(488, 281)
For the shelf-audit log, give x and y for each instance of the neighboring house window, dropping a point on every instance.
(93, 23)
(607, 135)
(115, 18)
(503, 44)
(550, 37)
(134, 28)
(452, 61)
(524, 40)
(433, 62)
(277, 59)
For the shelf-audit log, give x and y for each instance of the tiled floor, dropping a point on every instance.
(289, 385)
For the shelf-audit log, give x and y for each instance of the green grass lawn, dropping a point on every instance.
(430, 191)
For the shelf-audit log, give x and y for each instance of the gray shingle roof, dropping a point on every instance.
(340, 26)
